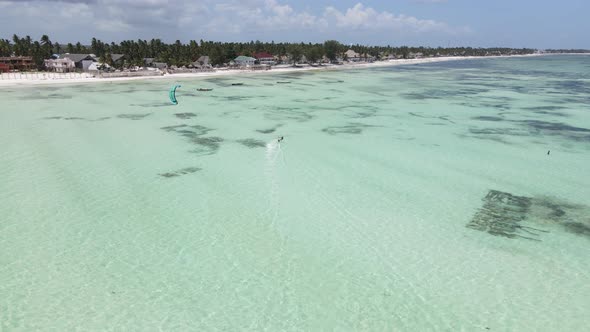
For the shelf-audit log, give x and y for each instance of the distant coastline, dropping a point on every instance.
(24, 61)
(13, 79)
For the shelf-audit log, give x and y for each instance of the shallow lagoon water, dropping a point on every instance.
(402, 198)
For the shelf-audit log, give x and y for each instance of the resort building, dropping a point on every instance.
(60, 65)
(17, 62)
(81, 61)
(284, 59)
(118, 59)
(265, 58)
(160, 65)
(353, 56)
(97, 66)
(244, 61)
(151, 63)
(203, 60)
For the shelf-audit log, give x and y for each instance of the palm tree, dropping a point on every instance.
(332, 48)
(295, 52)
(314, 54)
(5, 48)
(46, 47)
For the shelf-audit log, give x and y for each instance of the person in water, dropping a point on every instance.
(280, 139)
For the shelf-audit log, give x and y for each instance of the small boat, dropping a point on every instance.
(283, 82)
(237, 84)
(203, 89)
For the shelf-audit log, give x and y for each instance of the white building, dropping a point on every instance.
(244, 61)
(60, 65)
(265, 58)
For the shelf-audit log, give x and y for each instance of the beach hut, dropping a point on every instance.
(353, 56)
(203, 60)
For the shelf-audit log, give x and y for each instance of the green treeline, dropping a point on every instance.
(567, 51)
(179, 54)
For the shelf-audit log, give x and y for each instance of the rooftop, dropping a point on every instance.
(116, 57)
(77, 57)
(12, 58)
(262, 55)
(244, 58)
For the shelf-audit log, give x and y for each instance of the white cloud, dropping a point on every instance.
(208, 19)
(255, 15)
(361, 17)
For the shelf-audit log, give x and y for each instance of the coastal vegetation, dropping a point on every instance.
(219, 53)
(561, 51)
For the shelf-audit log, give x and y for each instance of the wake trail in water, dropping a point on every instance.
(273, 150)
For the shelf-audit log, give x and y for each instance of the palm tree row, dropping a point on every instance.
(180, 54)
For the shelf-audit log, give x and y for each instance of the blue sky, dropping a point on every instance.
(477, 23)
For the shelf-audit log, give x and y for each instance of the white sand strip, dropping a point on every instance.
(14, 79)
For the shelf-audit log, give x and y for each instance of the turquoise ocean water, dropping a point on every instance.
(406, 198)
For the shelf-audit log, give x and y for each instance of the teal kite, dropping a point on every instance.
(172, 94)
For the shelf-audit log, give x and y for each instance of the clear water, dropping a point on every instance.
(119, 211)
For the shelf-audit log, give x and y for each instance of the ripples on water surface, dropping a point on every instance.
(405, 198)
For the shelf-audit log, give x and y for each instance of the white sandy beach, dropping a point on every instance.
(47, 79)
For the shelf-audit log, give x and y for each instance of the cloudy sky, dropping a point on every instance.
(511, 23)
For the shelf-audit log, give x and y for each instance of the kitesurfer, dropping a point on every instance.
(172, 94)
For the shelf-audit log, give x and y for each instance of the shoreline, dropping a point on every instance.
(238, 72)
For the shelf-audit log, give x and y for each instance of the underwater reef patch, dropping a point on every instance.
(206, 145)
(552, 126)
(442, 117)
(351, 128)
(442, 94)
(577, 228)
(269, 130)
(503, 214)
(487, 118)
(266, 131)
(287, 114)
(180, 172)
(154, 104)
(133, 116)
(194, 135)
(187, 115)
(252, 143)
(76, 118)
(49, 96)
(536, 128)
